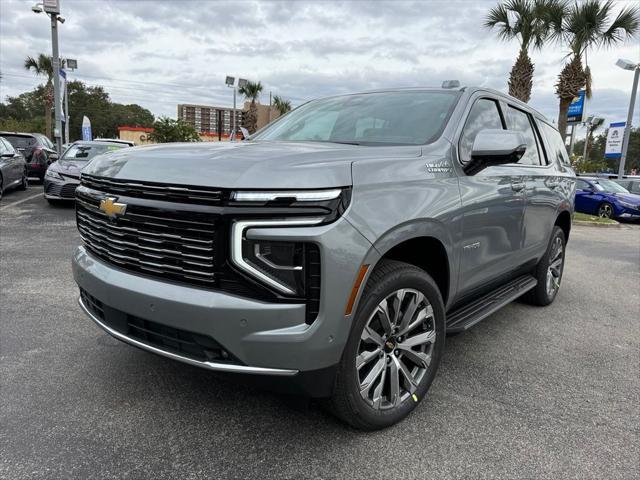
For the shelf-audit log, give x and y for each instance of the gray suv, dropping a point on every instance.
(332, 251)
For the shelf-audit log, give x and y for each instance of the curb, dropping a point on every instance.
(597, 224)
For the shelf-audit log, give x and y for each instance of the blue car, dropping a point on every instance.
(605, 198)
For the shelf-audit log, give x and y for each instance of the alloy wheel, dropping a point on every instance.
(395, 349)
(605, 211)
(554, 272)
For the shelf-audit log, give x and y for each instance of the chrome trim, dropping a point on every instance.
(269, 263)
(302, 196)
(220, 367)
(237, 230)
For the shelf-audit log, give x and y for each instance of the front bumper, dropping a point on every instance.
(60, 189)
(266, 338)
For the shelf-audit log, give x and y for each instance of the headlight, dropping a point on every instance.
(628, 205)
(279, 264)
(50, 174)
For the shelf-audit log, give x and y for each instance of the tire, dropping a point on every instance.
(24, 183)
(552, 263)
(382, 358)
(605, 210)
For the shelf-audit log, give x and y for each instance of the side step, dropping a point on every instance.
(468, 315)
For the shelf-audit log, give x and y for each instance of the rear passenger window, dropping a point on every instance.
(557, 149)
(521, 122)
(483, 115)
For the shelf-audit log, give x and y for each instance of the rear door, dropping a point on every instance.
(492, 206)
(543, 194)
(587, 198)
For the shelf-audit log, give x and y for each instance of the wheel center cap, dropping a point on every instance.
(390, 345)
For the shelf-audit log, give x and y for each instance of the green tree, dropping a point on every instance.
(282, 106)
(169, 130)
(251, 91)
(528, 22)
(584, 26)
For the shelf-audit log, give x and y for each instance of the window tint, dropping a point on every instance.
(87, 152)
(582, 185)
(521, 122)
(20, 141)
(45, 141)
(556, 149)
(483, 115)
(9, 147)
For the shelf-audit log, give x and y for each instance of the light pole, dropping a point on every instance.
(231, 83)
(628, 65)
(52, 8)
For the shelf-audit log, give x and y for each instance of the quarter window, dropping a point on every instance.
(557, 148)
(521, 122)
(483, 115)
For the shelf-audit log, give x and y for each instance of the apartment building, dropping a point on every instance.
(205, 118)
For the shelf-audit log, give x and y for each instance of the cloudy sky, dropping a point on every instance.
(160, 53)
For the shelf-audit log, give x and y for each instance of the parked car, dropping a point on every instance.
(37, 149)
(606, 198)
(632, 184)
(13, 169)
(63, 176)
(334, 249)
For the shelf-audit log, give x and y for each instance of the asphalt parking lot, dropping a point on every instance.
(528, 393)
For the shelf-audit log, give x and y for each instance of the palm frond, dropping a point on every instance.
(625, 26)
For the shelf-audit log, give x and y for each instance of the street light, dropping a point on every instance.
(231, 83)
(628, 65)
(52, 8)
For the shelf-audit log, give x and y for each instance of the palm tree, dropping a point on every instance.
(527, 22)
(251, 91)
(43, 66)
(282, 106)
(584, 26)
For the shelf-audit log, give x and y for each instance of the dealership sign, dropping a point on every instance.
(614, 140)
(576, 109)
(86, 129)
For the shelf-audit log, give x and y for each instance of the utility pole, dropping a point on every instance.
(72, 64)
(52, 8)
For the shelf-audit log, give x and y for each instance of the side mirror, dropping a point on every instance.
(52, 158)
(495, 147)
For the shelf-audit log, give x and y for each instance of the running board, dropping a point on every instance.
(468, 315)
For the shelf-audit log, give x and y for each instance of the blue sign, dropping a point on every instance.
(576, 109)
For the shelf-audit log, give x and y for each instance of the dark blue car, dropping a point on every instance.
(605, 198)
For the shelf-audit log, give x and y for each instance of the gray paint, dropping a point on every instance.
(489, 225)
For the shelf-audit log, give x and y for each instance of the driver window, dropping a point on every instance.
(582, 185)
(483, 115)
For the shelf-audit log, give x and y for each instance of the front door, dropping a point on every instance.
(492, 208)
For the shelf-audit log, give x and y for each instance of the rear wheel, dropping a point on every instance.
(394, 348)
(605, 210)
(549, 271)
(24, 182)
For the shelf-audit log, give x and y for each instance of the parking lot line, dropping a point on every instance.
(21, 201)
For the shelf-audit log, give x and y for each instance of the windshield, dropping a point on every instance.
(388, 118)
(20, 141)
(87, 152)
(609, 186)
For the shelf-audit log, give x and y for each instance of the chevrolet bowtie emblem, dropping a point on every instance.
(111, 208)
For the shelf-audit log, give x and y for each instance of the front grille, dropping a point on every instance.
(177, 245)
(155, 191)
(169, 339)
(67, 190)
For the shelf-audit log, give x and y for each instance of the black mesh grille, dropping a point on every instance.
(312, 281)
(67, 190)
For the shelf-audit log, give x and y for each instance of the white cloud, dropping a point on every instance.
(161, 53)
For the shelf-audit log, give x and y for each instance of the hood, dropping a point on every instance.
(69, 167)
(257, 164)
(628, 197)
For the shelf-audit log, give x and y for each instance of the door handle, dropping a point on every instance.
(517, 186)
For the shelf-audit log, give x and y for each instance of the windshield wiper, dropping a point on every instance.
(343, 143)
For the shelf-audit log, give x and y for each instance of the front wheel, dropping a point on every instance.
(393, 350)
(605, 210)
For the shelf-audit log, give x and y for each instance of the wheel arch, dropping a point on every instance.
(563, 220)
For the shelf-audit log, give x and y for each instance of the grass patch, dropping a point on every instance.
(583, 217)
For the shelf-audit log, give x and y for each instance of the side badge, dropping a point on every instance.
(439, 167)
